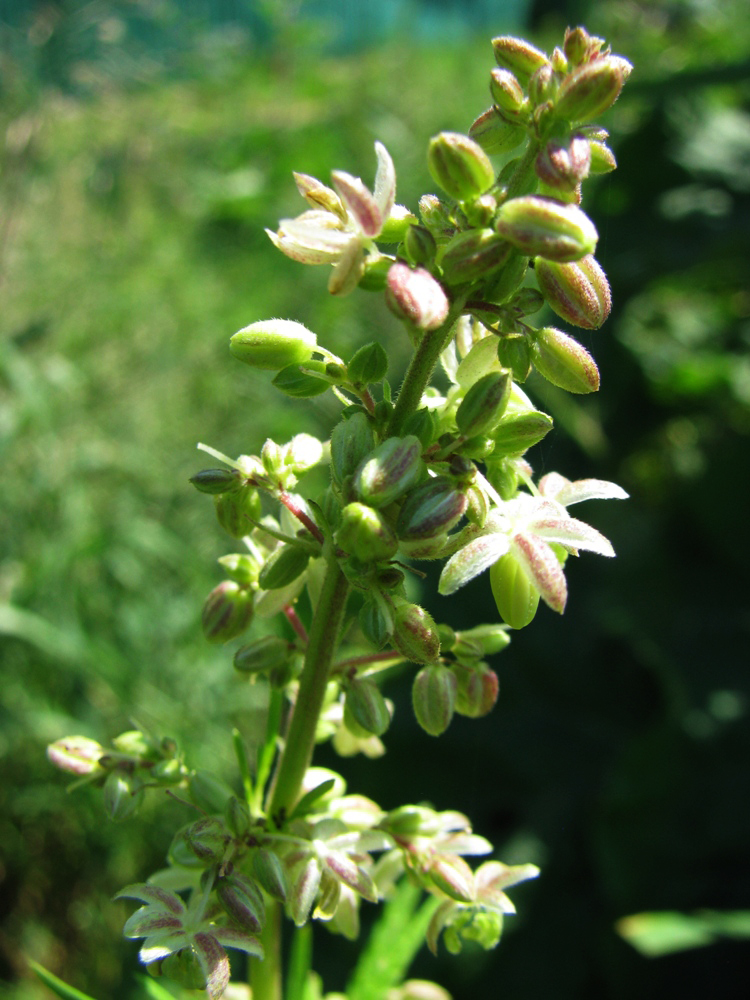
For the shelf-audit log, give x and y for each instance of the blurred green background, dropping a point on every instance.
(144, 146)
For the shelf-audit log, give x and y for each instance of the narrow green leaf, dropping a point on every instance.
(309, 798)
(58, 987)
(268, 750)
(240, 752)
(395, 940)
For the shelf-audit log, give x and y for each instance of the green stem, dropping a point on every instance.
(297, 753)
(420, 370)
(265, 973)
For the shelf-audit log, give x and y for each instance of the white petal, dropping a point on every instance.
(359, 202)
(348, 271)
(590, 489)
(542, 567)
(472, 560)
(571, 533)
(385, 181)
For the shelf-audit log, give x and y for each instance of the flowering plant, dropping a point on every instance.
(422, 473)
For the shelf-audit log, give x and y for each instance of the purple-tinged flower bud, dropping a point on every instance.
(414, 295)
(434, 698)
(516, 434)
(527, 302)
(236, 511)
(483, 406)
(415, 634)
(420, 245)
(317, 195)
(507, 94)
(265, 654)
(217, 481)
(424, 548)
(515, 596)
(477, 690)
(451, 874)
(576, 45)
(564, 164)
(243, 901)
(369, 364)
(237, 817)
(123, 795)
(390, 471)
(591, 89)
(365, 534)
(436, 217)
(208, 839)
(519, 56)
(514, 352)
(283, 567)
(474, 254)
(352, 441)
(270, 874)
(366, 707)
(602, 158)
(273, 344)
(431, 509)
(547, 228)
(578, 292)
(181, 967)
(494, 134)
(227, 612)
(459, 165)
(75, 754)
(543, 85)
(564, 362)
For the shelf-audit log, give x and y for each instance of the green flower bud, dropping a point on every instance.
(477, 689)
(298, 384)
(208, 839)
(431, 509)
(478, 448)
(578, 292)
(390, 471)
(75, 754)
(547, 228)
(434, 698)
(564, 164)
(351, 442)
(369, 364)
(602, 158)
(474, 254)
(516, 433)
(397, 225)
(415, 634)
(459, 166)
(375, 273)
(527, 301)
(436, 217)
(365, 534)
(283, 567)
(241, 898)
(424, 548)
(576, 45)
(217, 480)
(514, 352)
(182, 967)
(273, 344)
(508, 96)
(519, 56)
(543, 85)
(270, 874)
(490, 638)
(495, 135)
(414, 295)
(423, 425)
(406, 822)
(482, 407)
(376, 623)
(227, 612)
(366, 706)
(241, 568)
(236, 511)
(420, 245)
(123, 795)
(447, 638)
(237, 818)
(515, 596)
(267, 653)
(564, 362)
(591, 89)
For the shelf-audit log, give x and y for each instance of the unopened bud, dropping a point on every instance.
(430, 509)
(452, 875)
(365, 534)
(423, 425)
(474, 254)
(477, 689)
(434, 698)
(270, 874)
(543, 85)
(494, 134)
(591, 89)
(547, 228)
(414, 295)
(508, 96)
(515, 596)
(564, 362)
(366, 706)
(397, 225)
(519, 56)
(602, 158)
(217, 480)
(241, 568)
(482, 407)
(459, 166)
(578, 292)
(273, 344)
(237, 817)
(283, 567)
(352, 441)
(123, 795)
(390, 471)
(420, 245)
(369, 364)
(576, 45)
(376, 623)
(564, 164)
(503, 477)
(415, 634)
(436, 217)
(490, 638)
(243, 901)
(263, 655)
(514, 352)
(207, 838)
(236, 511)
(517, 433)
(227, 612)
(75, 754)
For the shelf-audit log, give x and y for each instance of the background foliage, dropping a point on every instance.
(145, 146)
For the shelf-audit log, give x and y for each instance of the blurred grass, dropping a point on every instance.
(131, 247)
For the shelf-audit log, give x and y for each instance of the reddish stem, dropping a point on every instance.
(300, 514)
(293, 618)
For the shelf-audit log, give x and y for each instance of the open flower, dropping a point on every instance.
(341, 224)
